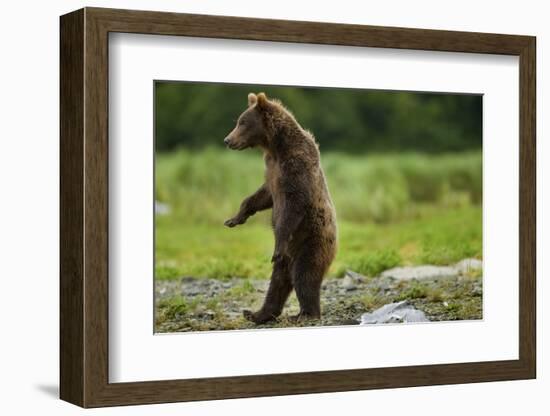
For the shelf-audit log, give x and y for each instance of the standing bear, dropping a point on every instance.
(303, 216)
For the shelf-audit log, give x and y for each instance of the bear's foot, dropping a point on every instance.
(259, 317)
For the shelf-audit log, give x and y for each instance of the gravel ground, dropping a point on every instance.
(442, 293)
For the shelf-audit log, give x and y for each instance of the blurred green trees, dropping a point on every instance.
(198, 115)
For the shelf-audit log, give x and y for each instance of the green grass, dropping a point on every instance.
(215, 251)
(392, 210)
(370, 263)
(173, 308)
(244, 289)
(207, 250)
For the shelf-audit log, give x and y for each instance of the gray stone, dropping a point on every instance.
(394, 313)
(348, 283)
(380, 283)
(467, 265)
(161, 208)
(233, 315)
(191, 291)
(420, 272)
(209, 314)
(477, 290)
(261, 285)
(355, 276)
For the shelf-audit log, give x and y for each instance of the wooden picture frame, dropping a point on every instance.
(84, 207)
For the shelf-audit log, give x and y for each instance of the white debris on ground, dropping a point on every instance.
(420, 272)
(398, 312)
(468, 265)
(433, 272)
(162, 208)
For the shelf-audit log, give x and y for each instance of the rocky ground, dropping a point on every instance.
(403, 294)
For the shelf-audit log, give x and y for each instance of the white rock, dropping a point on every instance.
(162, 208)
(420, 272)
(466, 265)
(348, 283)
(394, 313)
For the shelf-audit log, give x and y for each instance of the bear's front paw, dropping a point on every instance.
(232, 222)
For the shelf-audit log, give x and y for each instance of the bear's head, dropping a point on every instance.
(250, 130)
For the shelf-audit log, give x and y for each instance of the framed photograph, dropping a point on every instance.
(255, 207)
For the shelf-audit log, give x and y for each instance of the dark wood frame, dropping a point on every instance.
(84, 207)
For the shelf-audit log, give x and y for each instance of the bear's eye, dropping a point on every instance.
(242, 122)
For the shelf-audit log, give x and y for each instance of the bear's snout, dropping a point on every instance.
(229, 142)
(234, 144)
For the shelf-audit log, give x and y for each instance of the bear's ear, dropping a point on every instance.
(262, 100)
(252, 99)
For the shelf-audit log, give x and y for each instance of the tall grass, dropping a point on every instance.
(207, 186)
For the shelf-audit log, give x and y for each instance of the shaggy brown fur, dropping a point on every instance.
(303, 217)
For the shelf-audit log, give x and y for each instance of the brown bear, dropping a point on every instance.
(303, 215)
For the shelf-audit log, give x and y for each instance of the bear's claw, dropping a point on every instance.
(232, 222)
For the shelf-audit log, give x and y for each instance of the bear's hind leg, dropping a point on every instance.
(280, 287)
(307, 277)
